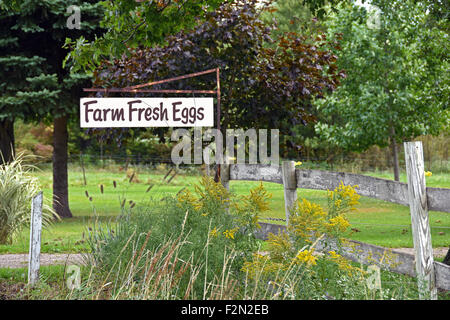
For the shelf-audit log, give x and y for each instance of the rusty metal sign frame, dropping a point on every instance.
(139, 89)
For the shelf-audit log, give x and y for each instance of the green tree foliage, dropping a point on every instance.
(265, 82)
(34, 85)
(293, 16)
(132, 23)
(397, 84)
(305, 18)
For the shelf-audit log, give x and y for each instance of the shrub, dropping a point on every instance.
(194, 242)
(201, 245)
(44, 152)
(17, 189)
(295, 268)
(292, 255)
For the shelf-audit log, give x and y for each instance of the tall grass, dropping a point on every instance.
(160, 273)
(195, 242)
(188, 247)
(17, 188)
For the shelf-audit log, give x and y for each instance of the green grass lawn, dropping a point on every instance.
(377, 222)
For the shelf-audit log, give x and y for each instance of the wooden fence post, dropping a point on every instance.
(419, 220)
(290, 187)
(225, 176)
(35, 239)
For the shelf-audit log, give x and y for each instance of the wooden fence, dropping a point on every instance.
(415, 194)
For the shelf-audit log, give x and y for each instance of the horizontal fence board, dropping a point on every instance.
(442, 273)
(369, 254)
(372, 187)
(438, 199)
(392, 191)
(266, 228)
(256, 172)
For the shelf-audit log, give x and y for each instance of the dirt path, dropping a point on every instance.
(21, 260)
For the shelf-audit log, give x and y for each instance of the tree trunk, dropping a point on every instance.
(6, 141)
(396, 164)
(60, 185)
(394, 147)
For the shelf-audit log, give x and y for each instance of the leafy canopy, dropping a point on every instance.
(397, 84)
(264, 81)
(132, 23)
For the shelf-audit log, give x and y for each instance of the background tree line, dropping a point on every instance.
(313, 69)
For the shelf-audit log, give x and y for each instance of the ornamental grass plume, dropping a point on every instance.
(17, 189)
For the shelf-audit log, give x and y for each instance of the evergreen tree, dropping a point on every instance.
(34, 85)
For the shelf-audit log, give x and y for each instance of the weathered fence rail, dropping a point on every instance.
(421, 264)
(369, 254)
(392, 191)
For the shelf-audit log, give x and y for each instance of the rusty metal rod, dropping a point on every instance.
(190, 75)
(146, 90)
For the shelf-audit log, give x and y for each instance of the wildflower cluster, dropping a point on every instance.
(230, 217)
(307, 221)
(229, 233)
(210, 197)
(249, 207)
(305, 256)
(262, 266)
(343, 264)
(214, 233)
(342, 199)
(337, 225)
(294, 251)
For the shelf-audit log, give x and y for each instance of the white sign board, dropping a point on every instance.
(146, 112)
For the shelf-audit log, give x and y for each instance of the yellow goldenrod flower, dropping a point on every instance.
(214, 232)
(342, 263)
(338, 223)
(230, 233)
(306, 256)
